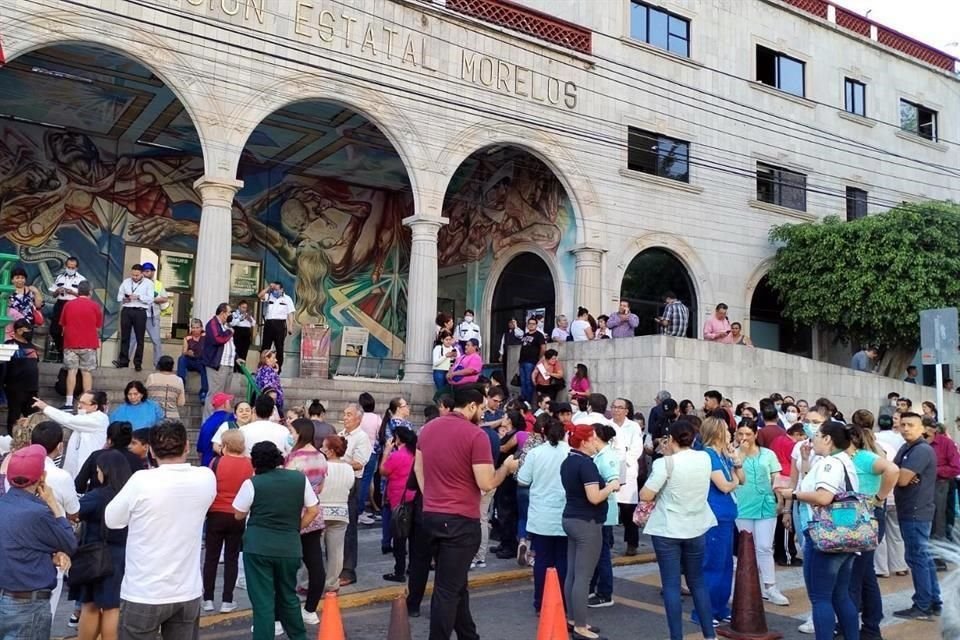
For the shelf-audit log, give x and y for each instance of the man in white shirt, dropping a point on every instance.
(164, 510)
(160, 302)
(358, 453)
(278, 319)
(242, 321)
(136, 297)
(64, 287)
(265, 430)
(467, 330)
(629, 447)
(49, 435)
(89, 426)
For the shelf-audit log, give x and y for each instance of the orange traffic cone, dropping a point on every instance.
(749, 619)
(331, 626)
(553, 617)
(399, 628)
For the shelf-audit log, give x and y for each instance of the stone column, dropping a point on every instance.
(211, 278)
(589, 290)
(421, 298)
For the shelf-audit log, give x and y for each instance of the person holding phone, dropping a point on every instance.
(717, 327)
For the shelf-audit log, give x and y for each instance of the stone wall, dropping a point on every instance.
(637, 368)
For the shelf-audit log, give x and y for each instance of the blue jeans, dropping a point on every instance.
(827, 576)
(189, 363)
(718, 568)
(550, 551)
(864, 588)
(439, 379)
(602, 581)
(916, 547)
(386, 536)
(527, 390)
(368, 471)
(523, 506)
(676, 556)
(25, 619)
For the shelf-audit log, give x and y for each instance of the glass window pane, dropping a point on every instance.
(678, 27)
(642, 151)
(793, 190)
(790, 78)
(674, 162)
(679, 46)
(638, 22)
(658, 29)
(848, 96)
(908, 116)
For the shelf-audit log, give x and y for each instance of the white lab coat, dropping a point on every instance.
(89, 435)
(629, 447)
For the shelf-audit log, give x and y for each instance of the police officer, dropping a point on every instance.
(278, 320)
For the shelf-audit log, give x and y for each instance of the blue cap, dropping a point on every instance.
(148, 266)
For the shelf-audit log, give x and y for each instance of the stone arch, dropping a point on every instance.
(544, 147)
(373, 106)
(503, 259)
(684, 253)
(756, 276)
(52, 28)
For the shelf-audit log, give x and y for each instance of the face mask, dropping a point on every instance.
(290, 441)
(70, 272)
(893, 402)
(777, 405)
(791, 417)
(468, 318)
(809, 429)
(275, 293)
(738, 420)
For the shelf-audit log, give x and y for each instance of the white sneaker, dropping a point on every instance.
(277, 629)
(228, 607)
(773, 595)
(208, 605)
(807, 627)
(366, 518)
(242, 583)
(310, 618)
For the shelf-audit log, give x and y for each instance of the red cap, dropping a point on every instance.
(26, 466)
(219, 399)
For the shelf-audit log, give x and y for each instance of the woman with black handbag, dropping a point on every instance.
(397, 466)
(95, 580)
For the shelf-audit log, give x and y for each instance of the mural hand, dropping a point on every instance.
(153, 229)
(30, 178)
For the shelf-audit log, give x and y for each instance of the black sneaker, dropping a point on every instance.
(596, 602)
(913, 613)
(936, 609)
(74, 620)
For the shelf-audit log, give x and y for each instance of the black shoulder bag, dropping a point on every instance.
(401, 518)
(92, 561)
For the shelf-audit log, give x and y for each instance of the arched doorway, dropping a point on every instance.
(321, 208)
(651, 274)
(98, 158)
(500, 199)
(770, 330)
(524, 288)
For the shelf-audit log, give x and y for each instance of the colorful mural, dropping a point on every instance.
(94, 162)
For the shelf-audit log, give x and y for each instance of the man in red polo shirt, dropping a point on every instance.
(81, 320)
(454, 465)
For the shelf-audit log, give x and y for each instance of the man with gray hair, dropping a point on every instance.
(359, 449)
(656, 412)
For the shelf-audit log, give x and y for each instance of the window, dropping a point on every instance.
(660, 28)
(658, 155)
(780, 71)
(856, 203)
(855, 97)
(781, 187)
(918, 119)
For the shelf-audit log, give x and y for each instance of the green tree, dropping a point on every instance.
(867, 280)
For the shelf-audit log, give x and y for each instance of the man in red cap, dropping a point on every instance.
(222, 412)
(35, 538)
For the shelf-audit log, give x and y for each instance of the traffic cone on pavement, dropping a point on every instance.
(399, 628)
(553, 617)
(749, 621)
(331, 625)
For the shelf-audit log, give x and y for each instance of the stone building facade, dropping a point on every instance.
(471, 133)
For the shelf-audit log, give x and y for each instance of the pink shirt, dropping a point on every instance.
(370, 423)
(580, 385)
(397, 471)
(715, 329)
(468, 361)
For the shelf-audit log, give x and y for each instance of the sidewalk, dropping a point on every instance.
(370, 587)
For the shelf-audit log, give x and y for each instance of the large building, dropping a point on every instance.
(388, 158)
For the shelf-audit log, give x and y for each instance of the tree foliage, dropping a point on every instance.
(867, 280)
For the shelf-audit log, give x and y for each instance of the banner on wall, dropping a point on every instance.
(244, 279)
(354, 341)
(176, 270)
(314, 351)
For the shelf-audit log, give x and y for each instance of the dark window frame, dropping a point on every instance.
(781, 186)
(642, 157)
(856, 200)
(777, 59)
(670, 35)
(850, 87)
(931, 125)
